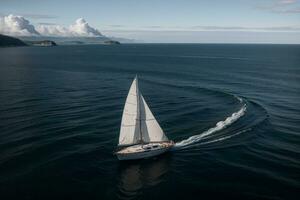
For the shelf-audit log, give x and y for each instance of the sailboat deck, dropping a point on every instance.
(146, 147)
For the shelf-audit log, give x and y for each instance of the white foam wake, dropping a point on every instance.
(226, 137)
(219, 126)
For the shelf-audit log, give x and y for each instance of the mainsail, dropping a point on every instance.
(130, 126)
(138, 123)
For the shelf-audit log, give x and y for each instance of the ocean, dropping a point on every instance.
(233, 111)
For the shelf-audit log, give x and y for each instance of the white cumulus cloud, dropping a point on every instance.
(53, 30)
(82, 28)
(79, 29)
(17, 26)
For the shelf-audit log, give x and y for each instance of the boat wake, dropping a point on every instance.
(219, 126)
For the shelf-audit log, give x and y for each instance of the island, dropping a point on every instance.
(8, 41)
(111, 42)
(43, 43)
(74, 40)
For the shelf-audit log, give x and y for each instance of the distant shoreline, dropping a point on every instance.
(9, 41)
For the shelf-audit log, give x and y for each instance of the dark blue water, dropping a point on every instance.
(234, 111)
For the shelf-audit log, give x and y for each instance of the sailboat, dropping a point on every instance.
(140, 135)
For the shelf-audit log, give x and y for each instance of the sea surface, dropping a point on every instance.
(232, 110)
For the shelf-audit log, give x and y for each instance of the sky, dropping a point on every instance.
(183, 21)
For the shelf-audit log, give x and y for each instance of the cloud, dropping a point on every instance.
(243, 28)
(209, 36)
(286, 1)
(291, 10)
(290, 28)
(79, 29)
(281, 6)
(47, 23)
(54, 30)
(82, 28)
(17, 26)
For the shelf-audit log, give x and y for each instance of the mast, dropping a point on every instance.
(139, 109)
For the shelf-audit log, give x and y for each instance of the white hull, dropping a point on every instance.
(141, 151)
(141, 155)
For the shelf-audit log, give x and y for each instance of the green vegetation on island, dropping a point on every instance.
(8, 41)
